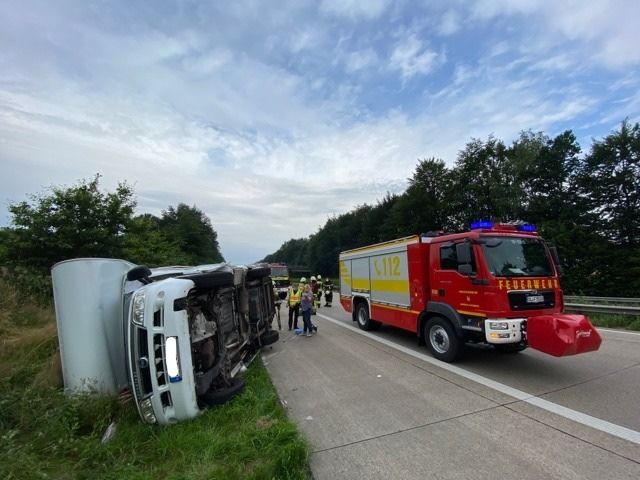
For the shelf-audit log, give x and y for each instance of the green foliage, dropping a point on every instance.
(83, 221)
(47, 434)
(73, 222)
(192, 232)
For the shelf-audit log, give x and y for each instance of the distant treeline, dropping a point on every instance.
(587, 204)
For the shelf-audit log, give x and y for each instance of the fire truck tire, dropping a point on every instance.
(218, 397)
(362, 317)
(442, 341)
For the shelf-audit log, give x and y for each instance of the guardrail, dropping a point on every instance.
(609, 305)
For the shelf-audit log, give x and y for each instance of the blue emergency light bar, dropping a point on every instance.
(527, 227)
(519, 226)
(481, 224)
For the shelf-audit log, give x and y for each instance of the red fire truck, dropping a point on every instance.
(280, 278)
(495, 284)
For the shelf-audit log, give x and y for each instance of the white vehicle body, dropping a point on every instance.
(185, 331)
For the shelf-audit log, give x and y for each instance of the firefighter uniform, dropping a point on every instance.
(294, 305)
(277, 301)
(328, 292)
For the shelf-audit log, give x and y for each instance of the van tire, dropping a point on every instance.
(258, 272)
(269, 337)
(442, 340)
(218, 397)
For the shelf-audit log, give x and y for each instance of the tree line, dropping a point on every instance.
(588, 205)
(83, 221)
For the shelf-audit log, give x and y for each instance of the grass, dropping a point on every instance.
(628, 322)
(45, 434)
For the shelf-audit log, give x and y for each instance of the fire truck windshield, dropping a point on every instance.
(517, 257)
(279, 272)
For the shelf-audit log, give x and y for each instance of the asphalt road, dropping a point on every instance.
(375, 405)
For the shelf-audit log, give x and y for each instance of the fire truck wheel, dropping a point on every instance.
(218, 397)
(442, 341)
(362, 317)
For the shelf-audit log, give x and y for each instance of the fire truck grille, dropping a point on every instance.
(527, 300)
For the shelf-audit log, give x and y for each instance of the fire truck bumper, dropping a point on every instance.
(562, 335)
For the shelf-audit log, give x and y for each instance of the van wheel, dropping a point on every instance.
(267, 338)
(218, 397)
(362, 317)
(442, 341)
(258, 272)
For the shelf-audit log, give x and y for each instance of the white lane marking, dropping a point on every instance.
(624, 332)
(583, 418)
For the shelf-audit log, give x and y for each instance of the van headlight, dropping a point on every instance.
(146, 409)
(138, 307)
(173, 360)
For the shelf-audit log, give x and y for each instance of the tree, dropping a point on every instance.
(190, 229)
(145, 244)
(425, 205)
(65, 223)
(483, 187)
(609, 183)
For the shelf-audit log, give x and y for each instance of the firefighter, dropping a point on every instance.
(294, 305)
(320, 291)
(328, 292)
(277, 300)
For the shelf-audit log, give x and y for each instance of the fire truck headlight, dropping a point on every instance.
(173, 360)
(498, 325)
(138, 307)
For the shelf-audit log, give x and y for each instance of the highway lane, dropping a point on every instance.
(604, 384)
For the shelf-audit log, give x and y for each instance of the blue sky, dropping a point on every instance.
(273, 116)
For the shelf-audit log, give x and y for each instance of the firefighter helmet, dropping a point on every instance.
(303, 280)
(313, 279)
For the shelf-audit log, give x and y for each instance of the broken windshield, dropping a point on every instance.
(518, 257)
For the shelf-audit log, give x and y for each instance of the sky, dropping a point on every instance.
(273, 116)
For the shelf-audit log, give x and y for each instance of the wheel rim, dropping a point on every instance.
(439, 339)
(362, 316)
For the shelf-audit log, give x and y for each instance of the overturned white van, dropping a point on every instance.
(177, 336)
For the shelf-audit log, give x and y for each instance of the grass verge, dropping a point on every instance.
(45, 434)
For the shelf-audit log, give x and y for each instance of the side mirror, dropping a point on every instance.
(556, 258)
(463, 252)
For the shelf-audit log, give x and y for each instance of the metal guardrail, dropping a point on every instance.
(609, 305)
(606, 300)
